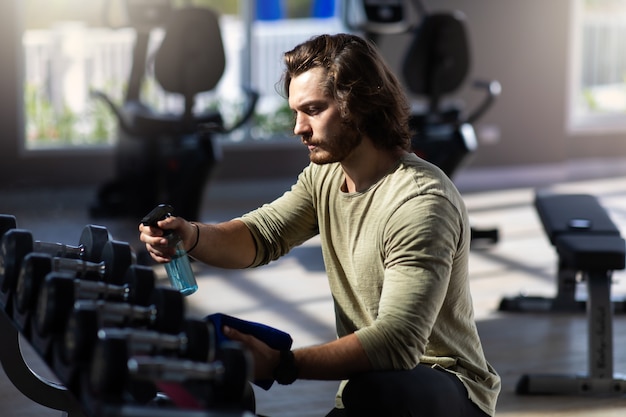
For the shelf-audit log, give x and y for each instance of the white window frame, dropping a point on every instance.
(579, 119)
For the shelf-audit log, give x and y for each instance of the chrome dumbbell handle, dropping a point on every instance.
(175, 370)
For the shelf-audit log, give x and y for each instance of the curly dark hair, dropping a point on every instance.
(368, 94)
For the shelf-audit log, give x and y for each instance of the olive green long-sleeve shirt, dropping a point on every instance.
(396, 256)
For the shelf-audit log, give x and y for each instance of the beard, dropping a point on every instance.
(335, 148)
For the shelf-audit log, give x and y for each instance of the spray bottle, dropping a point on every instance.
(179, 268)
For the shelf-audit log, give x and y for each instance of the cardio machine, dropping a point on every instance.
(164, 157)
(435, 65)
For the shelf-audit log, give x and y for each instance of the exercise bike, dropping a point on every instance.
(436, 64)
(164, 157)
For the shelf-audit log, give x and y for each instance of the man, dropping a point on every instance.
(395, 241)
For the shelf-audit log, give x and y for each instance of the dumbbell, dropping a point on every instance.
(102, 392)
(17, 243)
(117, 257)
(73, 349)
(195, 342)
(136, 288)
(114, 367)
(139, 282)
(89, 248)
(165, 313)
(35, 266)
(221, 383)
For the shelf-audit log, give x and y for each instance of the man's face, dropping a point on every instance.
(318, 121)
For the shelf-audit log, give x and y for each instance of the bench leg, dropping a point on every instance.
(564, 300)
(538, 384)
(600, 378)
(600, 324)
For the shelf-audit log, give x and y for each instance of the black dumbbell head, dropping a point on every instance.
(7, 222)
(201, 344)
(80, 335)
(141, 282)
(92, 239)
(237, 363)
(35, 267)
(117, 257)
(16, 244)
(54, 303)
(108, 371)
(170, 307)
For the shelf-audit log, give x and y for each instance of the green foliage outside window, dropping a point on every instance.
(50, 127)
(278, 123)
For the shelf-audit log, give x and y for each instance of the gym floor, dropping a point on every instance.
(291, 294)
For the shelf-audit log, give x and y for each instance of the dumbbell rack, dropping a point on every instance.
(72, 401)
(41, 390)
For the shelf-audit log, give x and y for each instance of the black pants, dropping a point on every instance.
(421, 392)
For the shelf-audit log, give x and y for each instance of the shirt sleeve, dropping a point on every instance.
(420, 244)
(288, 221)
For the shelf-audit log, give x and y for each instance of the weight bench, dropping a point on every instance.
(585, 239)
(588, 245)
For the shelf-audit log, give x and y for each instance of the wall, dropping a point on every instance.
(525, 46)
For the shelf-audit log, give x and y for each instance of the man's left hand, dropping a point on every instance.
(265, 358)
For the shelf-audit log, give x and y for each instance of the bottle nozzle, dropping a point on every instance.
(160, 212)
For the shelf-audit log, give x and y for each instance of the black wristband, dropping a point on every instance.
(197, 238)
(286, 371)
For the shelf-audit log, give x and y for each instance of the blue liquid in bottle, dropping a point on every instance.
(179, 268)
(180, 273)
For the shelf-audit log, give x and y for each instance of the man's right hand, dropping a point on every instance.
(157, 245)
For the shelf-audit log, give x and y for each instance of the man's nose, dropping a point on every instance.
(301, 126)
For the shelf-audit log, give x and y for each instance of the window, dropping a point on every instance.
(63, 55)
(73, 47)
(598, 78)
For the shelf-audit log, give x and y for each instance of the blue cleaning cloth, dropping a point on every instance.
(274, 338)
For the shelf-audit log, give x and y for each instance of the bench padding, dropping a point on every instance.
(573, 214)
(591, 252)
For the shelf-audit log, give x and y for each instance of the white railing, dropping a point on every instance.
(271, 39)
(604, 50)
(62, 64)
